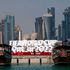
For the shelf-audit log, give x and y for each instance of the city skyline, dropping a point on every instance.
(26, 11)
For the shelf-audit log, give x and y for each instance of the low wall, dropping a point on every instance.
(32, 60)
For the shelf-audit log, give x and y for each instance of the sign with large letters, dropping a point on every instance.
(32, 47)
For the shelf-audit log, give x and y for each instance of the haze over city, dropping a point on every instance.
(25, 11)
(34, 34)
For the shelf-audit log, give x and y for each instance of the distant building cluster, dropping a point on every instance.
(45, 25)
(64, 27)
(8, 30)
(45, 28)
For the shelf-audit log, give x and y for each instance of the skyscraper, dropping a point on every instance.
(48, 20)
(1, 37)
(52, 25)
(38, 27)
(64, 31)
(66, 24)
(51, 11)
(9, 25)
(59, 32)
(2, 29)
(45, 25)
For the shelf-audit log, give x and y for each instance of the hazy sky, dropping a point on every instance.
(26, 11)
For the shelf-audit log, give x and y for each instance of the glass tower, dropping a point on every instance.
(38, 28)
(66, 24)
(48, 20)
(9, 25)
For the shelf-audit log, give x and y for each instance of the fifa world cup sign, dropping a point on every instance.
(32, 47)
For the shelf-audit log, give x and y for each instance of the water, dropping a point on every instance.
(35, 67)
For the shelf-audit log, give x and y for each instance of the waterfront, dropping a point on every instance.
(35, 67)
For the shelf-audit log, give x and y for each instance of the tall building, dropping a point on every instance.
(52, 21)
(0, 37)
(52, 11)
(45, 25)
(38, 28)
(59, 32)
(64, 31)
(48, 20)
(9, 25)
(2, 29)
(66, 24)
